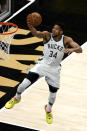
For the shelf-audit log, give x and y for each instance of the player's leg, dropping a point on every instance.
(30, 78)
(52, 97)
(53, 80)
(51, 101)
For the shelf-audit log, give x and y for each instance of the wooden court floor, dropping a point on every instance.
(70, 108)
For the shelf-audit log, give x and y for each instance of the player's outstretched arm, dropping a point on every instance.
(36, 33)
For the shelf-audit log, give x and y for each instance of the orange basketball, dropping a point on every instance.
(34, 19)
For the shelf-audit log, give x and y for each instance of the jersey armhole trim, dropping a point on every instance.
(63, 42)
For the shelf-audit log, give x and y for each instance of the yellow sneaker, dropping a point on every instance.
(11, 103)
(49, 116)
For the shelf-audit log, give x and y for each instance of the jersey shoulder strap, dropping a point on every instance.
(62, 37)
(51, 37)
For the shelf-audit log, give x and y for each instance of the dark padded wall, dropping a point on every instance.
(73, 13)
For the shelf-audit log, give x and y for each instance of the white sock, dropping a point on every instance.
(17, 96)
(48, 108)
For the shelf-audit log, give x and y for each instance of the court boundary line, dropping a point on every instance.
(68, 57)
(20, 125)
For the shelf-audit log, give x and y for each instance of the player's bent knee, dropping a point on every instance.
(53, 89)
(25, 83)
(32, 76)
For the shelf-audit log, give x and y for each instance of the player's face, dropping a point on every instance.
(56, 30)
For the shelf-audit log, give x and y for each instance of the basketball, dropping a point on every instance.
(34, 19)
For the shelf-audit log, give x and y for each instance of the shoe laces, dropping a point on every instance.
(11, 101)
(49, 115)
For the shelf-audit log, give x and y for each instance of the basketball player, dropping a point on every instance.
(55, 45)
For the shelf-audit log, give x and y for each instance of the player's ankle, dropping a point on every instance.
(17, 98)
(48, 111)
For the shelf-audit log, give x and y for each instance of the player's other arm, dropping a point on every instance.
(37, 33)
(74, 46)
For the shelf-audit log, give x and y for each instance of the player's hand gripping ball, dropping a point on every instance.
(34, 19)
